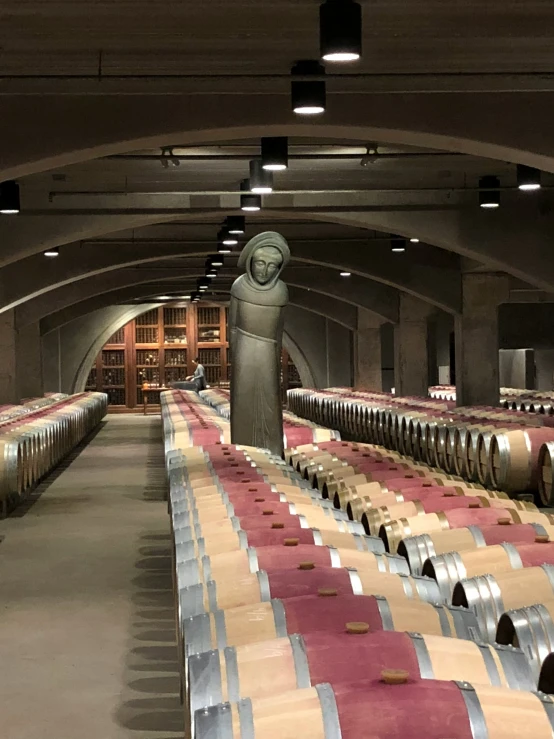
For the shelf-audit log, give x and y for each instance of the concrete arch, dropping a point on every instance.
(65, 297)
(300, 360)
(110, 124)
(494, 239)
(376, 277)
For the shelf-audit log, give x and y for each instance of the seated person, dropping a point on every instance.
(196, 382)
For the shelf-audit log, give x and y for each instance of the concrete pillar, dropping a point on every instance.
(368, 372)
(8, 392)
(477, 366)
(338, 342)
(29, 362)
(20, 360)
(411, 352)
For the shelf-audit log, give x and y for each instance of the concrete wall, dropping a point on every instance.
(517, 368)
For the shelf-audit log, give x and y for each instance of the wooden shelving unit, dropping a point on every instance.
(158, 347)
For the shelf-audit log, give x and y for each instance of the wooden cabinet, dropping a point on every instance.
(158, 347)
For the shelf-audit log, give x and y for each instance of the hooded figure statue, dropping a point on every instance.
(256, 331)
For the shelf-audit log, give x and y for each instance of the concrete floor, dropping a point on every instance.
(87, 646)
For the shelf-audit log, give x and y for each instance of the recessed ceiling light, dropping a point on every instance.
(345, 274)
(52, 253)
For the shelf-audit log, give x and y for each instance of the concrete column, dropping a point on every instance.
(477, 344)
(368, 374)
(411, 352)
(8, 392)
(20, 360)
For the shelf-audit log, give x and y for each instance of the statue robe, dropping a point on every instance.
(256, 327)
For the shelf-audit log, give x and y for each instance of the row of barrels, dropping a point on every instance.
(527, 401)
(296, 430)
(497, 558)
(496, 448)
(292, 621)
(33, 443)
(11, 411)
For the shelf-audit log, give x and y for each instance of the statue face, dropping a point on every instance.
(266, 263)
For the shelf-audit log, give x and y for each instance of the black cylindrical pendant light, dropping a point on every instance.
(308, 97)
(398, 244)
(235, 224)
(489, 195)
(528, 178)
(340, 30)
(9, 198)
(226, 238)
(248, 201)
(275, 153)
(261, 181)
(216, 260)
(203, 284)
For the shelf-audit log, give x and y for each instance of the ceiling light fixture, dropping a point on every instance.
(275, 153)
(184, 297)
(340, 30)
(235, 224)
(261, 180)
(345, 274)
(165, 297)
(203, 284)
(528, 178)
(414, 240)
(226, 238)
(398, 244)
(216, 261)
(223, 248)
(167, 157)
(194, 297)
(9, 198)
(52, 252)
(371, 155)
(308, 96)
(489, 194)
(248, 201)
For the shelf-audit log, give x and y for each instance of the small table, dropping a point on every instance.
(146, 390)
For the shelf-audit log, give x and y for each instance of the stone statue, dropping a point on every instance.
(256, 330)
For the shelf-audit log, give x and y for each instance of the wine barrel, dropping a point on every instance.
(251, 560)
(278, 665)
(309, 614)
(448, 569)
(394, 707)
(191, 545)
(544, 481)
(263, 586)
(532, 629)
(392, 533)
(417, 549)
(320, 518)
(374, 518)
(489, 596)
(514, 458)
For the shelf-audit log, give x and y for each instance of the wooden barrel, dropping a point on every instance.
(514, 458)
(374, 518)
(392, 533)
(489, 596)
(532, 629)
(275, 666)
(544, 477)
(262, 586)
(417, 549)
(319, 518)
(312, 613)
(253, 559)
(458, 711)
(448, 569)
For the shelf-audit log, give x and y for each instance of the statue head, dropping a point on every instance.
(264, 257)
(265, 264)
